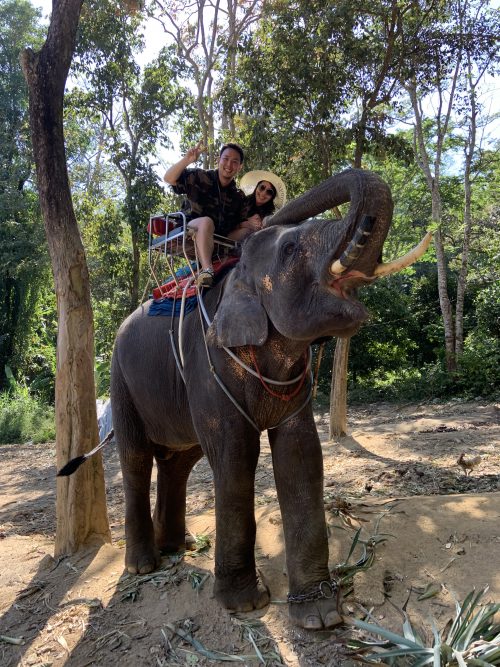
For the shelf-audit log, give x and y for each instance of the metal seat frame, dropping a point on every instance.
(180, 242)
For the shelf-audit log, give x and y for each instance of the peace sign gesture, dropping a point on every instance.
(194, 153)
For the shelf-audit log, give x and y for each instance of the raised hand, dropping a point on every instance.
(195, 151)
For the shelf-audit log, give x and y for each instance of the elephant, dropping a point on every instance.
(295, 283)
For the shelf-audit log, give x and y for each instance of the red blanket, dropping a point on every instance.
(170, 290)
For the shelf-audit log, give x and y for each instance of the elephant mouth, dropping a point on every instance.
(346, 285)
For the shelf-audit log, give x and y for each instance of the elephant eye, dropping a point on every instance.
(288, 249)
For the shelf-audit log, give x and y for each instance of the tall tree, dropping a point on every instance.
(476, 67)
(374, 75)
(344, 58)
(134, 107)
(452, 40)
(81, 502)
(206, 35)
(23, 260)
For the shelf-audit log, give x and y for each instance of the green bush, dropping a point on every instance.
(24, 419)
(478, 366)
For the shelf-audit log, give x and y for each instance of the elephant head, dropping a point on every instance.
(300, 274)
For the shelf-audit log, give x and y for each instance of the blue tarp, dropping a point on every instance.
(165, 306)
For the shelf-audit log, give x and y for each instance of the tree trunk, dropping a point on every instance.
(81, 501)
(462, 276)
(433, 183)
(338, 395)
(470, 147)
(445, 303)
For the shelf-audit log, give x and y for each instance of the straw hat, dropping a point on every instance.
(249, 181)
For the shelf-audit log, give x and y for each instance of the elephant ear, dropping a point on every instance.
(240, 318)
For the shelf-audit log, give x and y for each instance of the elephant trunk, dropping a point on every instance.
(363, 230)
(360, 187)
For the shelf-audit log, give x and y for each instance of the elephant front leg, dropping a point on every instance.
(237, 585)
(314, 602)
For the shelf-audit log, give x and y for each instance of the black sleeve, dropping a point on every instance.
(186, 181)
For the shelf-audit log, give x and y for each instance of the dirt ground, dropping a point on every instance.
(442, 540)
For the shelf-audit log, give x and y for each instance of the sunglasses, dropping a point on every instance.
(268, 191)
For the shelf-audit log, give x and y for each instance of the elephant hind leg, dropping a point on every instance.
(136, 459)
(169, 518)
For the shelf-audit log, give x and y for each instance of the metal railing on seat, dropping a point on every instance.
(172, 246)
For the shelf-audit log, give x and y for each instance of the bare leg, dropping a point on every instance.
(204, 228)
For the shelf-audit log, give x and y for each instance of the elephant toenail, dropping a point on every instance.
(313, 623)
(333, 618)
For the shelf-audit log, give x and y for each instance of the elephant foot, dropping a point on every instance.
(140, 559)
(317, 614)
(237, 599)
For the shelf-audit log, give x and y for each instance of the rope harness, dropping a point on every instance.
(283, 397)
(205, 322)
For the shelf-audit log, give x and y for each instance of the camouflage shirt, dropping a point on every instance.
(206, 196)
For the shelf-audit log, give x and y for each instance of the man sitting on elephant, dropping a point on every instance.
(213, 204)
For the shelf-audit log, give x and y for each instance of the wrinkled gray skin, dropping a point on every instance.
(279, 298)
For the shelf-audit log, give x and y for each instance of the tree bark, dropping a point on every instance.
(433, 183)
(81, 502)
(444, 299)
(338, 395)
(470, 147)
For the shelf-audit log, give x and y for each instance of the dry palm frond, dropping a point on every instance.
(345, 571)
(471, 638)
(17, 641)
(202, 543)
(351, 513)
(197, 579)
(264, 657)
(130, 584)
(266, 650)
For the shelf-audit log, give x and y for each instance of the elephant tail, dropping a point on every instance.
(75, 463)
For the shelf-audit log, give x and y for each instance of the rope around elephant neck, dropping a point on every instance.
(278, 383)
(226, 390)
(283, 397)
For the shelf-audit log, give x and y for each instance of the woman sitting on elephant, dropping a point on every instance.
(265, 193)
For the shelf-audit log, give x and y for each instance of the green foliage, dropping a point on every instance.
(398, 354)
(23, 418)
(478, 366)
(23, 255)
(18, 29)
(131, 110)
(478, 373)
(472, 637)
(316, 85)
(102, 374)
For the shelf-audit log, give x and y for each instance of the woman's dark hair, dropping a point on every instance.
(264, 209)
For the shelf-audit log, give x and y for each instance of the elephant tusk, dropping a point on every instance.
(337, 268)
(407, 260)
(355, 247)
